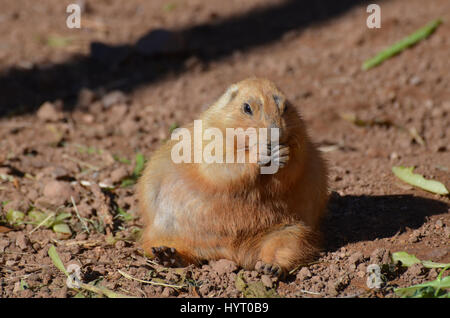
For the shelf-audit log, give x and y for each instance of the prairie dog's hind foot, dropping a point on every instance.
(269, 269)
(167, 256)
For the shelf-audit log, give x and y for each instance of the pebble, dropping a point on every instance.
(113, 98)
(21, 241)
(59, 192)
(380, 256)
(304, 273)
(223, 266)
(267, 281)
(49, 112)
(356, 258)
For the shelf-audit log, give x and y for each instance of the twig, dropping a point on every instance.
(92, 167)
(309, 292)
(40, 224)
(303, 265)
(149, 281)
(78, 215)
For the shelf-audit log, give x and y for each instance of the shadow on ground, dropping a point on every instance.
(157, 54)
(364, 218)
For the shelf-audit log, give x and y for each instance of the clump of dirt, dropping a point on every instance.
(71, 150)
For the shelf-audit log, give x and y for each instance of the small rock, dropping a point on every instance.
(10, 263)
(266, 280)
(204, 289)
(32, 195)
(259, 266)
(439, 224)
(21, 241)
(223, 266)
(416, 269)
(304, 273)
(332, 289)
(415, 80)
(342, 282)
(55, 172)
(59, 192)
(167, 292)
(3, 244)
(415, 237)
(113, 98)
(129, 127)
(381, 256)
(49, 112)
(16, 287)
(85, 98)
(356, 258)
(81, 236)
(88, 118)
(60, 292)
(316, 279)
(119, 244)
(447, 232)
(433, 274)
(16, 205)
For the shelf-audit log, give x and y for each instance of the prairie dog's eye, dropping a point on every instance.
(247, 109)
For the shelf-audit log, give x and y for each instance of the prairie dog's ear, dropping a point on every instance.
(227, 97)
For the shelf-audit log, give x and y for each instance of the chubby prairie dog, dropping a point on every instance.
(203, 211)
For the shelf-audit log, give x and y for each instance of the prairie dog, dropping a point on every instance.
(204, 211)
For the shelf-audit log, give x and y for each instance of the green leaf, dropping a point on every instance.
(15, 217)
(140, 164)
(406, 174)
(57, 41)
(121, 160)
(36, 216)
(253, 290)
(127, 182)
(401, 45)
(169, 6)
(56, 260)
(426, 289)
(240, 284)
(62, 216)
(62, 228)
(173, 127)
(409, 259)
(125, 216)
(23, 284)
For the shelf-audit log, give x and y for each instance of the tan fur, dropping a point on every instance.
(211, 211)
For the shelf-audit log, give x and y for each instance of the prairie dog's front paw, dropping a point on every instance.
(280, 155)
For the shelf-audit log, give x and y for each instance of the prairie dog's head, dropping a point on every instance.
(255, 103)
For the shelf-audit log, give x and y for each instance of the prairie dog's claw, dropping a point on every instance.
(279, 155)
(166, 256)
(269, 269)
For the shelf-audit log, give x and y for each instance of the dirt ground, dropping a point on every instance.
(78, 105)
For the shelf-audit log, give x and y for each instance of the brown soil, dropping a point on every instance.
(111, 100)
